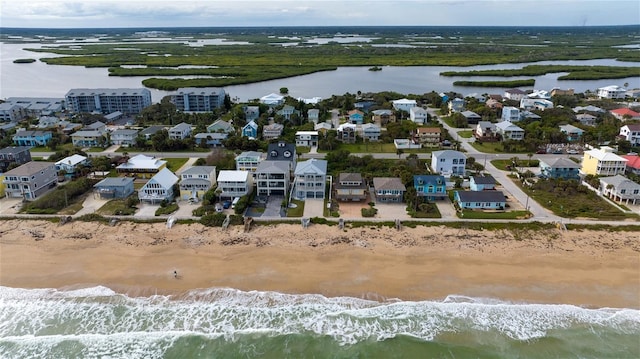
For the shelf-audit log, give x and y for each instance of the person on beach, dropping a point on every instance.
(175, 274)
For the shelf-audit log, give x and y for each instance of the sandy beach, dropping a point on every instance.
(587, 268)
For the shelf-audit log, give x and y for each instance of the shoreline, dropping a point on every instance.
(587, 268)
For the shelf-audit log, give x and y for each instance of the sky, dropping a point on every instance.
(221, 13)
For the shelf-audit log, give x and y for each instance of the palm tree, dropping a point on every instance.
(529, 161)
(399, 152)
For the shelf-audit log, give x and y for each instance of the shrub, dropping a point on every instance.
(369, 212)
(213, 219)
(167, 209)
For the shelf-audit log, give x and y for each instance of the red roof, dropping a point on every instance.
(633, 161)
(625, 111)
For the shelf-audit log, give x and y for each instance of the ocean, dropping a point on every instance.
(228, 323)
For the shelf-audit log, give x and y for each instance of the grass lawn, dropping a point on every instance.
(298, 211)
(66, 146)
(465, 133)
(377, 147)
(470, 214)
(488, 147)
(115, 207)
(74, 206)
(95, 149)
(175, 163)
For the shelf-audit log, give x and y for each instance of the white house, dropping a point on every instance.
(370, 132)
(510, 113)
(69, 165)
(159, 188)
(541, 104)
(124, 137)
(418, 115)
(272, 99)
(307, 138)
(620, 188)
(509, 131)
(180, 131)
(310, 179)
(249, 161)
(631, 133)
(514, 94)
(612, 92)
(235, 183)
(404, 104)
(448, 162)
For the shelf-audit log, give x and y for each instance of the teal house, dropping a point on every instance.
(431, 187)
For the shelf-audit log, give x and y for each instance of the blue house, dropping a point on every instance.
(480, 199)
(32, 138)
(356, 117)
(560, 167)
(482, 183)
(250, 130)
(114, 187)
(573, 133)
(432, 187)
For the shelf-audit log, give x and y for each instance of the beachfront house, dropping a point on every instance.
(508, 131)
(484, 182)
(159, 188)
(32, 138)
(283, 151)
(124, 137)
(272, 178)
(70, 165)
(559, 167)
(602, 162)
(307, 138)
(234, 183)
(350, 187)
(250, 130)
(573, 133)
(14, 156)
(141, 166)
(196, 181)
(448, 162)
(418, 115)
(429, 136)
(31, 180)
(388, 189)
(620, 188)
(180, 131)
(431, 187)
(114, 187)
(494, 200)
(310, 179)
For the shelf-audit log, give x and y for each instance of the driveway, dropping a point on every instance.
(10, 205)
(392, 211)
(146, 210)
(313, 207)
(91, 204)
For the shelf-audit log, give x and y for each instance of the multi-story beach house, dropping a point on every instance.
(14, 156)
(106, 101)
(448, 162)
(200, 99)
(456, 105)
(471, 117)
(310, 179)
(602, 162)
(221, 126)
(508, 131)
(283, 151)
(347, 132)
(559, 167)
(196, 181)
(370, 132)
(307, 138)
(234, 183)
(625, 114)
(573, 133)
(429, 136)
(272, 100)
(159, 188)
(124, 137)
(250, 130)
(631, 133)
(32, 138)
(148, 132)
(215, 139)
(11, 112)
(510, 113)
(287, 111)
(514, 94)
(404, 104)
(251, 113)
(633, 163)
(249, 161)
(141, 166)
(484, 182)
(272, 178)
(388, 189)
(114, 187)
(350, 187)
(586, 119)
(88, 138)
(431, 187)
(180, 131)
(30, 180)
(418, 115)
(69, 166)
(313, 115)
(272, 131)
(356, 117)
(485, 131)
(620, 188)
(384, 116)
(611, 92)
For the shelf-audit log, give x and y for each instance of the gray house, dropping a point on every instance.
(388, 189)
(114, 187)
(30, 180)
(159, 188)
(14, 155)
(272, 178)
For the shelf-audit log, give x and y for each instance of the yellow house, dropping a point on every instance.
(141, 166)
(602, 162)
(196, 181)
(2, 185)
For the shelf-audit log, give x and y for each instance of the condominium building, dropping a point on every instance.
(106, 101)
(196, 99)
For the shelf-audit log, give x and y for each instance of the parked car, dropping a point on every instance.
(226, 204)
(541, 152)
(219, 207)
